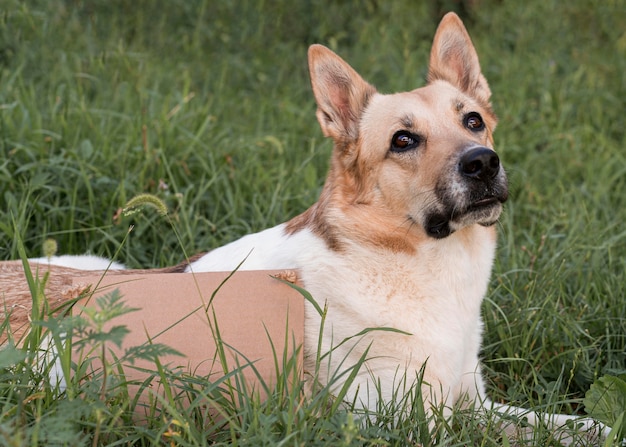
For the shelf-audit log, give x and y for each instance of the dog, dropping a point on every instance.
(403, 235)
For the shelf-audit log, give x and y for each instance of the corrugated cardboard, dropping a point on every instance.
(258, 317)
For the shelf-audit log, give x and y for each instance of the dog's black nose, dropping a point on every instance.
(480, 163)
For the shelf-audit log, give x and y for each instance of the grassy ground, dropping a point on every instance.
(207, 105)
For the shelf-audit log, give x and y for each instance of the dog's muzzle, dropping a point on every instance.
(480, 188)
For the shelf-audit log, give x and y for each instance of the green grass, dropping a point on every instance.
(207, 105)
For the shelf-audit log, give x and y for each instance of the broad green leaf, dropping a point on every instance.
(606, 399)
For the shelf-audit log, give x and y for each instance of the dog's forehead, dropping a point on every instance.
(425, 108)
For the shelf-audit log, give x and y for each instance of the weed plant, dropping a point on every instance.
(207, 106)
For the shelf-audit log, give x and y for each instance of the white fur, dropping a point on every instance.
(268, 249)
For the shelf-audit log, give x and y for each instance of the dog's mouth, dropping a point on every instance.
(461, 200)
(484, 211)
(487, 202)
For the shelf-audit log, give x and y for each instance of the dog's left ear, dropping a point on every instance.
(454, 59)
(340, 92)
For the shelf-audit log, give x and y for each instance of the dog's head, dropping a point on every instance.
(423, 159)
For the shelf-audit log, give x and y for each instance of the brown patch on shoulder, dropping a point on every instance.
(180, 268)
(316, 218)
(300, 222)
(313, 220)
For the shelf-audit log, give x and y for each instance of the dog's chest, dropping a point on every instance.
(414, 310)
(442, 281)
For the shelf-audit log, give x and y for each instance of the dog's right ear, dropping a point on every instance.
(340, 92)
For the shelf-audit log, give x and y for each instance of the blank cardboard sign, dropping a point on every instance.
(249, 309)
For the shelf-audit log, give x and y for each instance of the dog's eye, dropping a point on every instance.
(403, 141)
(474, 122)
